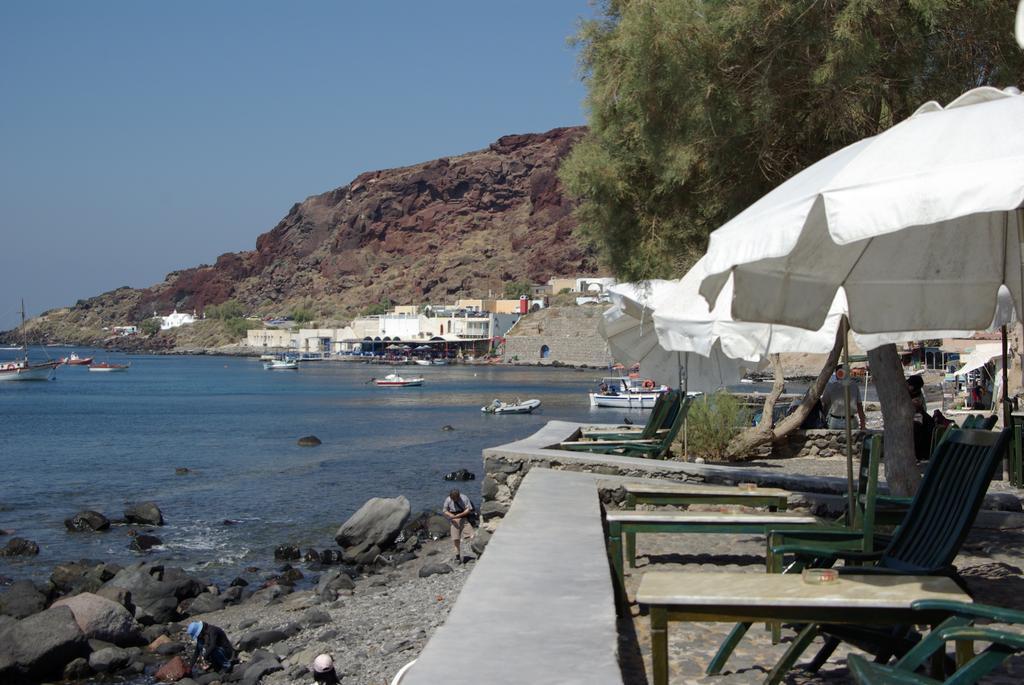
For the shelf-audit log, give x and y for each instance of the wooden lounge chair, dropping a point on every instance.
(655, 448)
(925, 543)
(959, 629)
(662, 415)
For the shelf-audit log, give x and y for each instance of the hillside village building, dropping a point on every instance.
(175, 319)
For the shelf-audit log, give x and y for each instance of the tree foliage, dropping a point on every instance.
(516, 289)
(698, 108)
(230, 309)
(150, 326)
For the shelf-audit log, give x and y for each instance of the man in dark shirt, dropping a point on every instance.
(212, 644)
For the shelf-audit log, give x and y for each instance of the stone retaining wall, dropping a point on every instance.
(503, 474)
(569, 333)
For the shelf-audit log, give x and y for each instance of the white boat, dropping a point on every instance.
(281, 364)
(422, 362)
(439, 362)
(516, 407)
(24, 370)
(626, 393)
(393, 380)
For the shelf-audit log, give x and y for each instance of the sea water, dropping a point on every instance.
(98, 441)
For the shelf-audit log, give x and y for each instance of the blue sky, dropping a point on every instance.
(137, 138)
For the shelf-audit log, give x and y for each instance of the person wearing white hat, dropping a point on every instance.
(323, 670)
(212, 644)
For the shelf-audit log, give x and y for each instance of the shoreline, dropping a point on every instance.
(373, 611)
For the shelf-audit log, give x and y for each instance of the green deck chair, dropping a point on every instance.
(925, 543)
(957, 628)
(655, 449)
(663, 413)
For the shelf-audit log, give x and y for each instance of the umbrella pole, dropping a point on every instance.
(850, 486)
(1007, 419)
(685, 385)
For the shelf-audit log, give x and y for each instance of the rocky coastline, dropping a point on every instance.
(372, 602)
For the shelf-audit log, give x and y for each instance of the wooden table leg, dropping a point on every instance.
(631, 548)
(659, 645)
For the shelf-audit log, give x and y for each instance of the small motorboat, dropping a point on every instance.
(515, 407)
(422, 362)
(393, 380)
(439, 362)
(74, 360)
(109, 366)
(281, 364)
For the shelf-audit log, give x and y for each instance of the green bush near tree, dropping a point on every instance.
(713, 421)
(150, 326)
(238, 326)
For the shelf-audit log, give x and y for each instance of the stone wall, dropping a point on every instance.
(569, 333)
(503, 474)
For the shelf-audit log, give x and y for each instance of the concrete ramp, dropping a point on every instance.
(539, 606)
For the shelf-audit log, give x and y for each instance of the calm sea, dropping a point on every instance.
(100, 440)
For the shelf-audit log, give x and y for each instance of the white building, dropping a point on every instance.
(276, 338)
(175, 319)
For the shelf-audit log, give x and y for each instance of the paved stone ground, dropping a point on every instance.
(991, 562)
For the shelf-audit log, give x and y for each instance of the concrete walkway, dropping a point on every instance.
(539, 606)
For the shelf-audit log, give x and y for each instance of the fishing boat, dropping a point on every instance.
(281, 364)
(109, 367)
(515, 407)
(74, 360)
(393, 380)
(626, 393)
(22, 369)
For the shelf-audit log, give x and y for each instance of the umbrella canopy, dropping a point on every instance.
(919, 226)
(633, 340)
(684, 321)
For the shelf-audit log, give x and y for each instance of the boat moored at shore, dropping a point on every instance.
(517, 406)
(626, 393)
(109, 367)
(393, 380)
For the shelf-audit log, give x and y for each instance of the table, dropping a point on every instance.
(654, 492)
(750, 597)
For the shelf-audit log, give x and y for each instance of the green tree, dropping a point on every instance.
(238, 326)
(302, 315)
(516, 289)
(230, 309)
(382, 307)
(698, 108)
(150, 326)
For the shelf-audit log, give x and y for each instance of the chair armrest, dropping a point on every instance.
(1000, 614)
(983, 634)
(831, 553)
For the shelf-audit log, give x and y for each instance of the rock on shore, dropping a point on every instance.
(374, 615)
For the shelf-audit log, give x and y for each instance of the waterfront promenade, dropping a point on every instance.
(539, 607)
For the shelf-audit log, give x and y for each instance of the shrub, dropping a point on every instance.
(238, 326)
(150, 326)
(712, 422)
(231, 309)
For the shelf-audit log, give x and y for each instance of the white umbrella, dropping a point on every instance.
(919, 225)
(633, 340)
(684, 321)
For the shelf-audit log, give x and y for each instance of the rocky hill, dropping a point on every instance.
(456, 226)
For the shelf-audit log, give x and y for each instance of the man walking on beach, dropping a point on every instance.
(459, 510)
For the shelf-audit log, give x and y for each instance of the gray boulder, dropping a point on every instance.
(102, 619)
(434, 569)
(146, 513)
(82, 576)
(109, 659)
(376, 523)
(156, 600)
(255, 671)
(87, 521)
(41, 645)
(205, 603)
(492, 509)
(480, 540)
(22, 599)
(260, 638)
(77, 669)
